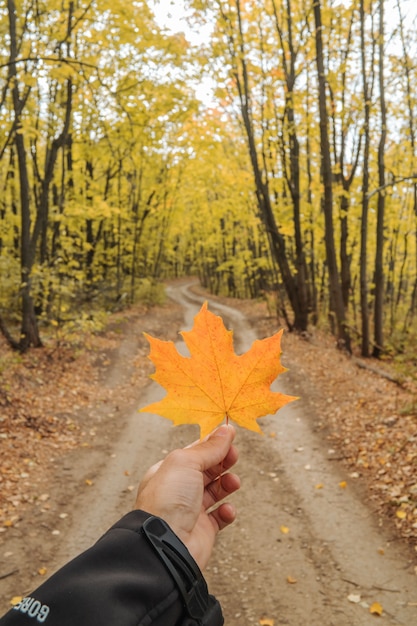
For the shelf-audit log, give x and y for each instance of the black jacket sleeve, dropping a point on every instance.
(130, 577)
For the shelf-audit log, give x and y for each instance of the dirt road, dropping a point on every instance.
(305, 550)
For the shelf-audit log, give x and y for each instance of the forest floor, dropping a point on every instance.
(73, 396)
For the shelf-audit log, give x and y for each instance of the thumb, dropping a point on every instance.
(214, 448)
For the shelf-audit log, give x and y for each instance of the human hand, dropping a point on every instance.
(183, 488)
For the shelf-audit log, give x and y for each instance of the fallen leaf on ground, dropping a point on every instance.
(376, 609)
(214, 383)
(291, 580)
(265, 621)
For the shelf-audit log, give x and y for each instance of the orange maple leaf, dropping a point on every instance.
(214, 383)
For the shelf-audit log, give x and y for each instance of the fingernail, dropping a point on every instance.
(223, 431)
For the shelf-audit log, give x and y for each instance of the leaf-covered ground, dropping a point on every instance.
(369, 421)
(53, 399)
(48, 396)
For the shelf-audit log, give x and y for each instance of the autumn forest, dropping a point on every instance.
(293, 180)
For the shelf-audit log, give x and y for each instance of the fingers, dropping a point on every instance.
(210, 459)
(224, 515)
(197, 442)
(214, 450)
(213, 456)
(213, 473)
(219, 489)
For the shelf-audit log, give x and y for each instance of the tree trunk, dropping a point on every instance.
(276, 240)
(379, 270)
(29, 335)
(326, 170)
(293, 179)
(312, 249)
(41, 224)
(345, 180)
(345, 257)
(408, 64)
(365, 199)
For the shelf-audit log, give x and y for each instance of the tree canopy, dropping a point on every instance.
(295, 181)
